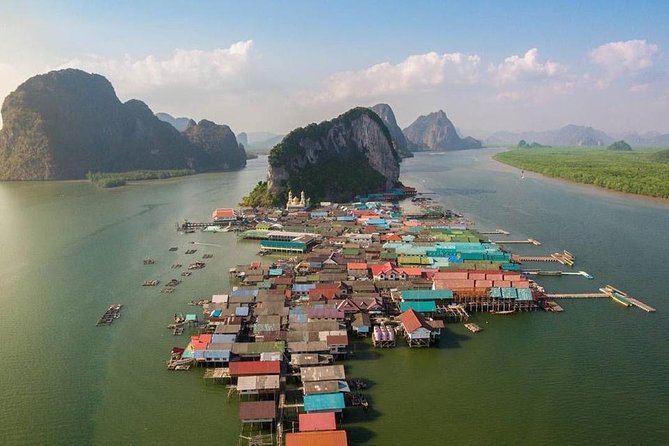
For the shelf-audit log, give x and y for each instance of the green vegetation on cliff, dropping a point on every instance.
(260, 197)
(633, 172)
(290, 146)
(116, 179)
(335, 160)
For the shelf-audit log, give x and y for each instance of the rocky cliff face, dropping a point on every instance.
(63, 124)
(337, 159)
(218, 144)
(399, 140)
(436, 132)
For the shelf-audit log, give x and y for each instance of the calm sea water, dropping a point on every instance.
(593, 374)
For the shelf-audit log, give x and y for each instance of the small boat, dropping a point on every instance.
(474, 328)
(154, 282)
(503, 312)
(586, 275)
(149, 261)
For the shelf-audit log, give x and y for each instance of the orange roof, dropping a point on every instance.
(356, 265)
(324, 438)
(412, 321)
(410, 271)
(224, 213)
(324, 421)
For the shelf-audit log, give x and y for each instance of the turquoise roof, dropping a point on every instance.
(415, 295)
(420, 306)
(323, 402)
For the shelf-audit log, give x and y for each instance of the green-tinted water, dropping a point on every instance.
(594, 374)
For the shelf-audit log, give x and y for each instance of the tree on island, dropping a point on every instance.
(620, 146)
(522, 144)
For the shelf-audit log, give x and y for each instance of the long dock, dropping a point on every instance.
(495, 232)
(577, 296)
(625, 299)
(564, 257)
(529, 241)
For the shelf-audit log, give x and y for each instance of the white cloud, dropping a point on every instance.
(416, 72)
(639, 88)
(630, 55)
(525, 68)
(191, 68)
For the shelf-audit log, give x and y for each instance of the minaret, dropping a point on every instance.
(303, 201)
(290, 198)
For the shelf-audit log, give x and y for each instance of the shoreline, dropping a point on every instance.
(586, 186)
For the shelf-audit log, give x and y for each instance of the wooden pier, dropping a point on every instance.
(529, 241)
(625, 299)
(577, 296)
(112, 313)
(564, 257)
(495, 232)
(474, 328)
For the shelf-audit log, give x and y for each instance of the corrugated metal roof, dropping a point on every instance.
(323, 373)
(324, 402)
(251, 411)
(426, 294)
(326, 438)
(257, 382)
(420, 306)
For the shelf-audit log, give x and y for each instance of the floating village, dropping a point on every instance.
(391, 270)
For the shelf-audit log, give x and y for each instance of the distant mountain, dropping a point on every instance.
(399, 140)
(63, 124)
(261, 141)
(243, 138)
(435, 132)
(218, 143)
(649, 139)
(180, 124)
(569, 135)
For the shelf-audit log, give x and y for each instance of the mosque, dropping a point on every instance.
(297, 204)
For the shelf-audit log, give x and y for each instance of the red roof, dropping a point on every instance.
(324, 421)
(380, 269)
(348, 305)
(453, 284)
(200, 342)
(412, 321)
(327, 293)
(250, 368)
(224, 213)
(324, 438)
(324, 313)
(352, 265)
(336, 340)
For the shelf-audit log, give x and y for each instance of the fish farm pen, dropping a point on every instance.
(366, 270)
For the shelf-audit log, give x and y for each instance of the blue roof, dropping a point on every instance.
(419, 306)
(303, 287)
(346, 218)
(324, 402)
(242, 311)
(427, 294)
(244, 292)
(275, 271)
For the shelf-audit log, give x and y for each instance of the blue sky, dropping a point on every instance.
(272, 65)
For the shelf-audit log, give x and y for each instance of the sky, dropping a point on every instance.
(276, 65)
